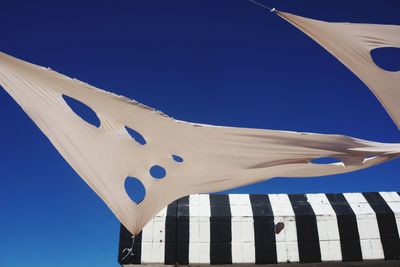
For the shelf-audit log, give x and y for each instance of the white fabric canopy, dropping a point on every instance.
(351, 44)
(214, 158)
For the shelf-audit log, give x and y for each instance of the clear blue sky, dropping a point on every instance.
(218, 62)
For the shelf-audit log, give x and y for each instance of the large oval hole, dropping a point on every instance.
(83, 111)
(387, 58)
(135, 189)
(325, 160)
(136, 136)
(158, 172)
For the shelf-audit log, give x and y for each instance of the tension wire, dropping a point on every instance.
(129, 251)
(262, 5)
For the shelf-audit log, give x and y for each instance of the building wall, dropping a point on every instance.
(268, 229)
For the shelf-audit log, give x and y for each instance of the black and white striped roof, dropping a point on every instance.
(274, 228)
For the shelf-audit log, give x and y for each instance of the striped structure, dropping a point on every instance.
(275, 228)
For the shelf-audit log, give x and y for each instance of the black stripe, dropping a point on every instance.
(307, 229)
(170, 234)
(220, 230)
(183, 231)
(125, 255)
(264, 229)
(387, 225)
(348, 229)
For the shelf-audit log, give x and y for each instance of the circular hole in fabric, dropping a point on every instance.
(387, 58)
(177, 158)
(158, 172)
(135, 189)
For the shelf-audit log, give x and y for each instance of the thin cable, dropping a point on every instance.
(130, 250)
(262, 5)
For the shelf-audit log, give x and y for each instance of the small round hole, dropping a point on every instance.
(177, 158)
(157, 172)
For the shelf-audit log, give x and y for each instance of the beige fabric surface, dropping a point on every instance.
(351, 44)
(215, 158)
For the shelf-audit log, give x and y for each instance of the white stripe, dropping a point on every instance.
(371, 245)
(393, 201)
(286, 241)
(153, 239)
(159, 237)
(328, 230)
(147, 242)
(199, 228)
(243, 248)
